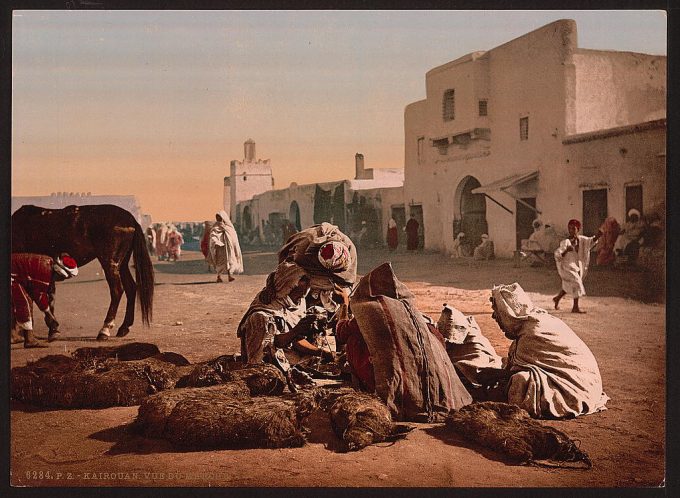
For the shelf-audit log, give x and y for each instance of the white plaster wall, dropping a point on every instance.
(617, 89)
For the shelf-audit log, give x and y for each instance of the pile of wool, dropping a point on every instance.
(509, 429)
(64, 382)
(260, 379)
(361, 419)
(225, 416)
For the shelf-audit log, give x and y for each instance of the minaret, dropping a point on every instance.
(249, 151)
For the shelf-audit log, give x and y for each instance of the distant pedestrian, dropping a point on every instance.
(174, 243)
(572, 258)
(458, 249)
(392, 234)
(605, 250)
(150, 240)
(224, 252)
(205, 239)
(411, 228)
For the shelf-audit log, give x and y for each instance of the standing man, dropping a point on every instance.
(224, 251)
(392, 235)
(412, 233)
(572, 258)
(32, 278)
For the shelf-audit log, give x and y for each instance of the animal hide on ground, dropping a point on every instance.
(225, 416)
(260, 379)
(361, 419)
(508, 429)
(65, 382)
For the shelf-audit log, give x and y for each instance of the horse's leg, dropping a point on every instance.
(130, 288)
(50, 320)
(112, 271)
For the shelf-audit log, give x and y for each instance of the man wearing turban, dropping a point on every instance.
(572, 258)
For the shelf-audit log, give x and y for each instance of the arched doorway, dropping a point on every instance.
(470, 212)
(294, 215)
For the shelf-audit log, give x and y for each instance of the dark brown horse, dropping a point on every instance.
(104, 232)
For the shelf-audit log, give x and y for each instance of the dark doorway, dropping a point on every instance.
(399, 215)
(417, 212)
(633, 198)
(594, 210)
(523, 219)
(294, 215)
(472, 213)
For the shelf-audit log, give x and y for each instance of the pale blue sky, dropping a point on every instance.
(156, 104)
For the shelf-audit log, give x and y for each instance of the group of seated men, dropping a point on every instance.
(549, 370)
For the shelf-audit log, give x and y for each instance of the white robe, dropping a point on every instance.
(573, 266)
(224, 251)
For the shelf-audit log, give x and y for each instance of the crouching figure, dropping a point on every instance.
(553, 374)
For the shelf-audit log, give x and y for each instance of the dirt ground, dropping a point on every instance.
(197, 318)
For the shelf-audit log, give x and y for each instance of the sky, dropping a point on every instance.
(157, 103)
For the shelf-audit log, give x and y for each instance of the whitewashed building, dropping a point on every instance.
(535, 128)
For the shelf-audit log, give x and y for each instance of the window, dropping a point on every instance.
(448, 105)
(524, 128)
(442, 145)
(421, 149)
(483, 108)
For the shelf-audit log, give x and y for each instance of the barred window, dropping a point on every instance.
(483, 108)
(449, 105)
(524, 128)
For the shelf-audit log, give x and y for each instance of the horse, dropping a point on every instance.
(104, 232)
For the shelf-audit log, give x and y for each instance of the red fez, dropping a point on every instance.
(574, 223)
(69, 262)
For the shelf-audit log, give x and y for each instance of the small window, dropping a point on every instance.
(483, 108)
(442, 145)
(421, 149)
(524, 128)
(449, 105)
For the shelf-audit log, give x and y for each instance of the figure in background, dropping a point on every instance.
(605, 250)
(485, 250)
(628, 242)
(458, 249)
(392, 235)
(162, 241)
(224, 251)
(551, 372)
(572, 258)
(287, 229)
(174, 243)
(411, 229)
(32, 279)
(150, 234)
(205, 241)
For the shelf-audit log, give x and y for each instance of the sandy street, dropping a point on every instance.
(197, 318)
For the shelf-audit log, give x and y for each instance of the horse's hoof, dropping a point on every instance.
(122, 332)
(53, 336)
(102, 337)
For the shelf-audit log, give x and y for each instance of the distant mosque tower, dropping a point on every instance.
(246, 179)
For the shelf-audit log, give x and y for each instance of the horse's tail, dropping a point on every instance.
(143, 274)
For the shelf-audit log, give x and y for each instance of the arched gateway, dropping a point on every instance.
(469, 212)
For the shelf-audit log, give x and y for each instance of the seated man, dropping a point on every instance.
(32, 278)
(628, 241)
(471, 353)
(485, 249)
(277, 318)
(552, 373)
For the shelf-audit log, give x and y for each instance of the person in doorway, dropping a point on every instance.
(411, 229)
(628, 242)
(572, 258)
(224, 251)
(32, 279)
(458, 246)
(392, 235)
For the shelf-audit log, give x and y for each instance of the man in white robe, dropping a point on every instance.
(572, 258)
(552, 372)
(224, 251)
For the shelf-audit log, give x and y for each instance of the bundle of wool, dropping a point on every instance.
(65, 382)
(510, 430)
(361, 419)
(225, 416)
(261, 379)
